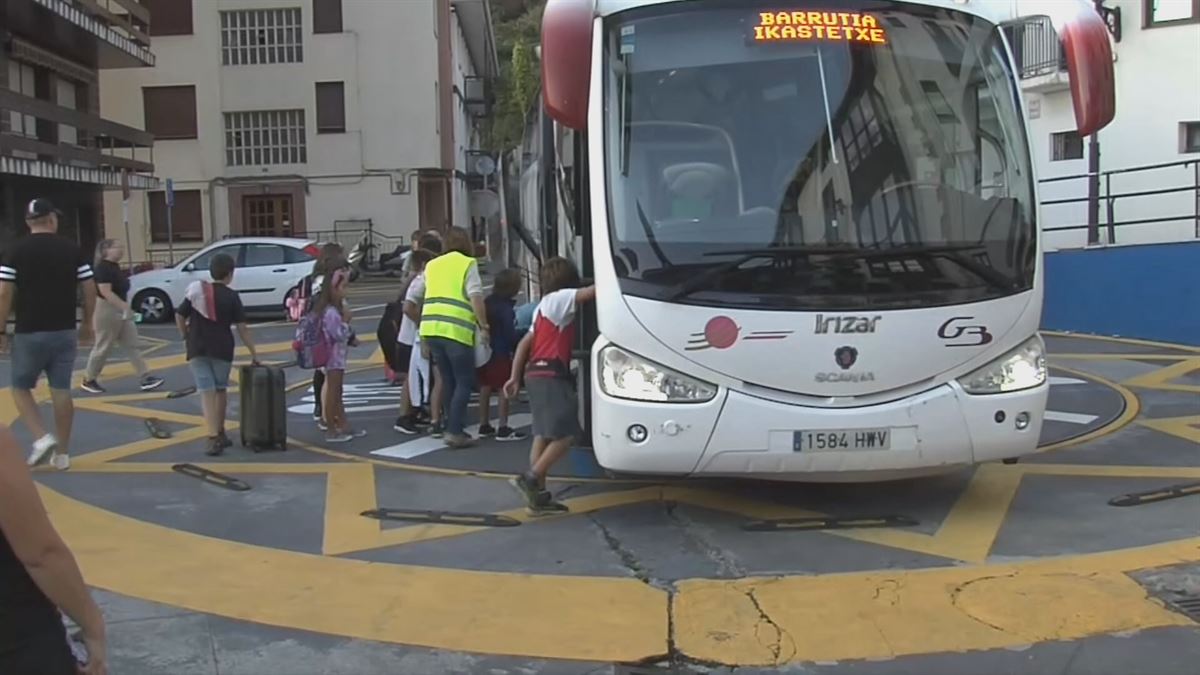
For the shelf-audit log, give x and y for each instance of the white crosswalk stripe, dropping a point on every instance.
(426, 445)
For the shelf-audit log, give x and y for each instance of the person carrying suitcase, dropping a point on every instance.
(205, 319)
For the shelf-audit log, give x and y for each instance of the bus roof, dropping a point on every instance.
(996, 11)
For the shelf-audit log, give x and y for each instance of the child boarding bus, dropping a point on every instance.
(812, 225)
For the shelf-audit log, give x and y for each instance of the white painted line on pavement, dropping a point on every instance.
(1065, 380)
(1070, 418)
(426, 445)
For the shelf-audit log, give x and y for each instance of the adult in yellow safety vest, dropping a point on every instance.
(452, 314)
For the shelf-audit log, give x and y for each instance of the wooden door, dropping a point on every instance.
(267, 216)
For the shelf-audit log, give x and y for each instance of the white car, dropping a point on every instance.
(268, 269)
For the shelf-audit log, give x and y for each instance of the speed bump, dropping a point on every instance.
(805, 524)
(443, 517)
(212, 477)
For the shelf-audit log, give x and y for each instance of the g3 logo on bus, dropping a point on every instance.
(966, 335)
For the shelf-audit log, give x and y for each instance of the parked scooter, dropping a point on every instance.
(389, 264)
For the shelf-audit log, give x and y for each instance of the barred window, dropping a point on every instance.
(261, 36)
(265, 137)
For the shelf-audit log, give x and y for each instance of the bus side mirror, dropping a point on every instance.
(1090, 65)
(567, 60)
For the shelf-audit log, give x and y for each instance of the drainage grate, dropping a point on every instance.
(1189, 605)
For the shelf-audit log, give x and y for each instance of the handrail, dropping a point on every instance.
(1109, 198)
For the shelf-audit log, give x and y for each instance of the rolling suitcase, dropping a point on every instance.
(263, 408)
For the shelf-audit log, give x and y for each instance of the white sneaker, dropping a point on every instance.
(61, 462)
(42, 447)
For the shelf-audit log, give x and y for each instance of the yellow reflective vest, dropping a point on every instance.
(447, 312)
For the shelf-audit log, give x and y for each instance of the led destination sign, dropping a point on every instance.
(834, 26)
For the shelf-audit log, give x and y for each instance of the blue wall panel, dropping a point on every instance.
(1150, 291)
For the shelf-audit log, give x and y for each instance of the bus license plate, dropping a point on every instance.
(842, 439)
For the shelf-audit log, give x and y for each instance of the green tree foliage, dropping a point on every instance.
(518, 32)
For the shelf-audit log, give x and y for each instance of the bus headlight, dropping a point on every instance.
(1022, 368)
(624, 375)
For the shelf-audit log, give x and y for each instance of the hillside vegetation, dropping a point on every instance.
(518, 31)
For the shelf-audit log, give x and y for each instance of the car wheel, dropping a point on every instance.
(154, 306)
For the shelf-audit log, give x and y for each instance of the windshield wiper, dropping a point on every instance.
(704, 279)
(953, 253)
(956, 255)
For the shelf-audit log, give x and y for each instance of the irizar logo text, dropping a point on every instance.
(846, 324)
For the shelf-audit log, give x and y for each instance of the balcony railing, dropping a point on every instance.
(1037, 48)
(119, 29)
(103, 148)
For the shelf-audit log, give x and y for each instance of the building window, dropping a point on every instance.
(1066, 145)
(327, 16)
(261, 36)
(1189, 136)
(265, 137)
(22, 78)
(187, 217)
(1170, 12)
(170, 111)
(331, 108)
(169, 17)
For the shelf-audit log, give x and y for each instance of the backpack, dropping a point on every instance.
(311, 345)
(388, 330)
(300, 301)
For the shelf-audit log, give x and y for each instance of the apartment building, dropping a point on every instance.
(1149, 157)
(299, 117)
(54, 142)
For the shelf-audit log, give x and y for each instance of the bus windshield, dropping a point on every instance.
(804, 155)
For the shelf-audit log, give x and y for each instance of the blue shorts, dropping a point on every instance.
(52, 353)
(210, 374)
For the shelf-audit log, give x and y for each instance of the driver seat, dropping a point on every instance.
(700, 190)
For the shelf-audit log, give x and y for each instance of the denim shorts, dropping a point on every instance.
(210, 374)
(52, 353)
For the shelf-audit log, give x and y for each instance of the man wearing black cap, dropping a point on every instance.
(38, 278)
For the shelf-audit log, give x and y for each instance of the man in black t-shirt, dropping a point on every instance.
(38, 278)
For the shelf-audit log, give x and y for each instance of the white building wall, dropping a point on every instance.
(1158, 86)
(387, 58)
(464, 129)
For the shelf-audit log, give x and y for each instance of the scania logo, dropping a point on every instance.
(845, 357)
(845, 377)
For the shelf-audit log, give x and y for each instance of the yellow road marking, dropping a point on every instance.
(1161, 379)
(970, 528)
(577, 617)
(1128, 341)
(861, 615)
(830, 618)
(1187, 428)
(1133, 407)
(94, 461)
(139, 413)
(1111, 471)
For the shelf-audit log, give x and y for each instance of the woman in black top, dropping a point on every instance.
(332, 257)
(38, 577)
(114, 320)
